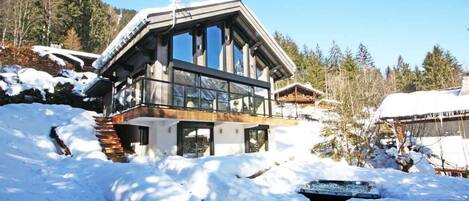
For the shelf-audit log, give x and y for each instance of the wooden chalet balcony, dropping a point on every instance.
(147, 97)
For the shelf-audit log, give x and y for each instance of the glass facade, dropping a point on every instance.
(192, 90)
(206, 90)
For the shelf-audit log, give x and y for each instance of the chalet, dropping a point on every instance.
(436, 119)
(297, 93)
(295, 96)
(191, 80)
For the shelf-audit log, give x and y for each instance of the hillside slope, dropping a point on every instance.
(31, 169)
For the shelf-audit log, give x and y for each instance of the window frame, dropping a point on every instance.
(221, 62)
(192, 33)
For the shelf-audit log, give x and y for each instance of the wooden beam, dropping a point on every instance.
(193, 115)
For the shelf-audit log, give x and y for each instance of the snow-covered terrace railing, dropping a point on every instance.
(135, 95)
(423, 105)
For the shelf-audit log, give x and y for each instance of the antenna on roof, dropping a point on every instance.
(174, 3)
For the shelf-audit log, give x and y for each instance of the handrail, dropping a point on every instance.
(137, 94)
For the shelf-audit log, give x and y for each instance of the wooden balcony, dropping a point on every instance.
(195, 115)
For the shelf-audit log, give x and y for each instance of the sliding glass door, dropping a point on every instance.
(195, 139)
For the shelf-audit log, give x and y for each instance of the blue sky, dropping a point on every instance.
(388, 28)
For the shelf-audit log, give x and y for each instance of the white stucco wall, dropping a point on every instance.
(228, 137)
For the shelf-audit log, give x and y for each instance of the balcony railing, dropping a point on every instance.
(157, 93)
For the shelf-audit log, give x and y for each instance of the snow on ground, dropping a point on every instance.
(452, 148)
(15, 79)
(32, 170)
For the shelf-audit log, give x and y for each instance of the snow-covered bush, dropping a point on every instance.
(414, 159)
(27, 85)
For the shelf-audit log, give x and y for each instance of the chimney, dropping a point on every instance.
(465, 86)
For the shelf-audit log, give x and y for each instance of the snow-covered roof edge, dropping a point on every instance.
(52, 52)
(443, 103)
(66, 51)
(305, 86)
(139, 21)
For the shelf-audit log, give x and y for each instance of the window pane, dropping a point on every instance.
(261, 92)
(213, 83)
(214, 46)
(182, 47)
(240, 88)
(238, 59)
(259, 106)
(236, 103)
(203, 142)
(189, 147)
(192, 97)
(208, 99)
(260, 66)
(222, 101)
(259, 71)
(182, 77)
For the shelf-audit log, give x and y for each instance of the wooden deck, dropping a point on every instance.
(194, 115)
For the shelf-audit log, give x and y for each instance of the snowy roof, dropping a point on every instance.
(52, 52)
(306, 86)
(141, 20)
(423, 103)
(137, 23)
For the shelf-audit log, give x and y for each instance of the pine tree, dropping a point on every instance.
(441, 69)
(314, 68)
(335, 58)
(349, 65)
(404, 77)
(291, 48)
(363, 57)
(72, 40)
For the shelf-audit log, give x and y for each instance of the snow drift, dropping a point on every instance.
(31, 169)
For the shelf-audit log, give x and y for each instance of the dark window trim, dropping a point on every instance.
(191, 124)
(246, 137)
(221, 26)
(192, 33)
(182, 65)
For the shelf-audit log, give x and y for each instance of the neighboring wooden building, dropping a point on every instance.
(437, 119)
(194, 79)
(297, 93)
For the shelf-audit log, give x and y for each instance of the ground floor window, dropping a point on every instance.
(256, 139)
(195, 139)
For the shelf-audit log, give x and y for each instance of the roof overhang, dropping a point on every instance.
(161, 20)
(99, 88)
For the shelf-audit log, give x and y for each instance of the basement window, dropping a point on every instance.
(182, 48)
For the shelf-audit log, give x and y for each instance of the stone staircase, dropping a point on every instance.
(109, 140)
